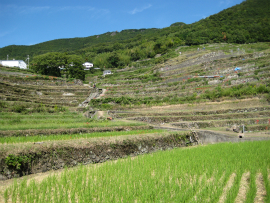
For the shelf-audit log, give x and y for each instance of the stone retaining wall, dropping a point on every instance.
(56, 157)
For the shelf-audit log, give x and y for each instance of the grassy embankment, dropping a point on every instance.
(55, 137)
(16, 121)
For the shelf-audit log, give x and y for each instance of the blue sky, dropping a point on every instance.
(28, 22)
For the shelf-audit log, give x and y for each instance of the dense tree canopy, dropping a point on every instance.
(52, 63)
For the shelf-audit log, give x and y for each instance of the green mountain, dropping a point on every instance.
(248, 22)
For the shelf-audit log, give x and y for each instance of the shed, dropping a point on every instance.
(14, 63)
(88, 65)
(107, 72)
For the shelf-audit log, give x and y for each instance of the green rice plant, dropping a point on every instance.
(200, 174)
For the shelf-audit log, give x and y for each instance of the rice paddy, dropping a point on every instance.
(226, 172)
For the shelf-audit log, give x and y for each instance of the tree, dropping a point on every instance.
(113, 60)
(51, 64)
(75, 68)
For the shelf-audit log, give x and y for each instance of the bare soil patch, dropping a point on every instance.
(261, 191)
(227, 188)
(244, 187)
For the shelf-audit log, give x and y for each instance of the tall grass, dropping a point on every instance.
(181, 175)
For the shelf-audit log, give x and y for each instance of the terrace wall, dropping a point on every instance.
(57, 157)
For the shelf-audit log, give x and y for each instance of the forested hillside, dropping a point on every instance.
(247, 22)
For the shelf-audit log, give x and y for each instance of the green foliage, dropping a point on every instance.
(3, 104)
(236, 91)
(19, 108)
(17, 161)
(194, 80)
(76, 69)
(113, 60)
(50, 64)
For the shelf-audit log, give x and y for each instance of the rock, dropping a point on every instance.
(68, 94)
(39, 93)
(78, 82)
(2, 177)
(73, 102)
(74, 163)
(236, 130)
(87, 114)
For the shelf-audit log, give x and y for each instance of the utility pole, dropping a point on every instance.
(7, 57)
(27, 60)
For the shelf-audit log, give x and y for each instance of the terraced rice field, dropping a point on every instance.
(42, 123)
(227, 172)
(15, 121)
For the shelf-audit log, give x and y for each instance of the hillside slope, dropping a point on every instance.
(244, 23)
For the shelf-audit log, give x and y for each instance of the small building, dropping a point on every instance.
(88, 65)
(107, 72)
(14, 63)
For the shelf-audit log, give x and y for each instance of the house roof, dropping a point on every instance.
(11, 60)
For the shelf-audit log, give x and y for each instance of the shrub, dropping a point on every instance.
(40, 108)
(3, 104)
(19, 108)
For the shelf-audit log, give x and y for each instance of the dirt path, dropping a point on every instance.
(227, 188)
(100, 114)
(244, 187)
(261, 191)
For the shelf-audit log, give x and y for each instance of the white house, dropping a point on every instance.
(88, 65)
(107, 72)
(14, 63)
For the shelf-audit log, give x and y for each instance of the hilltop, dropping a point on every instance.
(247, 22)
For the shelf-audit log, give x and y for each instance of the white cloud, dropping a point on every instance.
(93, 12)
(225, 2)
(24, 9)
(138, 10)
(76, 8)
(33, 9)
(3, 34)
